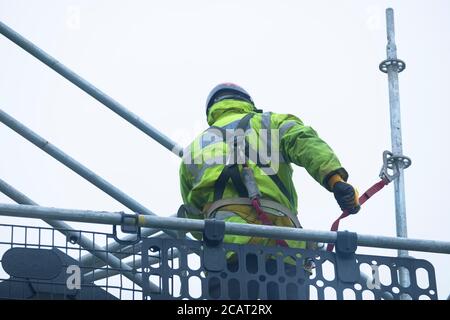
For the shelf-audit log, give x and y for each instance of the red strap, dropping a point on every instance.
(366, 196)
(265, 220)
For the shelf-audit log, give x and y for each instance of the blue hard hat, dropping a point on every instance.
(227, 90)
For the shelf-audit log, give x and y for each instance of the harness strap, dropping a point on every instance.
(362, 199)
(215, 206)
(265, 220)
(231, 171)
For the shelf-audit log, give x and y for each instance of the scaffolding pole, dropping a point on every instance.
(100, 274)
(90, 89)
(89, 260)
(97, 94)
(393, 66)
(183, 224)
(125, 251)
(77, 167)
(81, 240)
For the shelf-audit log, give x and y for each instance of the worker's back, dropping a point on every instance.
(272, 142)
(206, 157)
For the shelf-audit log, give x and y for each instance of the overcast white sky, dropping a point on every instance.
(317, 60)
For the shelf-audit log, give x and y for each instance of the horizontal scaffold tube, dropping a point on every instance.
(95, 250)
(115, 218)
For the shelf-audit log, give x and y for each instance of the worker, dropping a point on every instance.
(239, 169)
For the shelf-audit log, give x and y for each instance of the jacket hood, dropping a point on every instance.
(226, 107)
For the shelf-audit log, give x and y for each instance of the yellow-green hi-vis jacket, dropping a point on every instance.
(283, 136)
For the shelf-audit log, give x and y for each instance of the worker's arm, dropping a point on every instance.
(301, 145)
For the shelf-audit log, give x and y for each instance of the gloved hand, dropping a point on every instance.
(346, 196)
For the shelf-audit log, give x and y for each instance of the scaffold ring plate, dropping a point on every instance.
(399, 65)
(403, 160)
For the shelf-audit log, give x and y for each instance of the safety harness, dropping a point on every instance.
(244, 182)
(231, 170)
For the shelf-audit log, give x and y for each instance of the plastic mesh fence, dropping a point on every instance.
(42, 263)
(258, 272)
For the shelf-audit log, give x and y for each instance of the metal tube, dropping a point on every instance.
(73, 164)
(91, 260)
(117, 249)
(49, 213)
(20, 198)
(115, 246)
(396, 139)
(103, 217)
(99, 274)
(88, 259)
(90, 89)
(82, 241)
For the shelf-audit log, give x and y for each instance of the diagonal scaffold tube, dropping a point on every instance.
(97, 94)
(76, 166)
(90, 89)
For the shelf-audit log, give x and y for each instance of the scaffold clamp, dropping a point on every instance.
(128, 224)
(346, 264)
(213, 252)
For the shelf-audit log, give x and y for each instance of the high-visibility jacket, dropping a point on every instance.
(205, 158)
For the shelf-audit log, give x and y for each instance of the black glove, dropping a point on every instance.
(347, 197)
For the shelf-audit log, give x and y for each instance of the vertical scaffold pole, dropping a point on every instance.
(393, 66)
